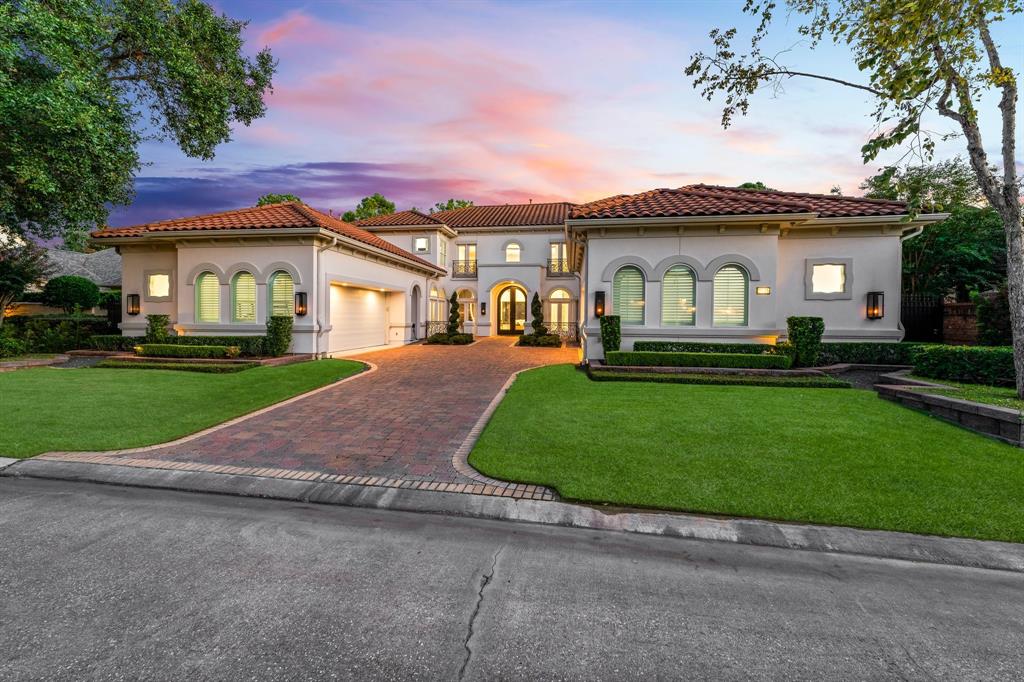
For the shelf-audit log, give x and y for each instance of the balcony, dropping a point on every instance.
(558, 267)
(463, 269)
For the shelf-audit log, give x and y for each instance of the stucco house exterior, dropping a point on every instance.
(693, 263)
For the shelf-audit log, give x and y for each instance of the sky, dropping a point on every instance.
(505, 102)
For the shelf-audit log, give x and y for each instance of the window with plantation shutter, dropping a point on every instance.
(731, 297)
(207, 298)
(282, 294)
(243, 297)
(629, 295)
(678, 297)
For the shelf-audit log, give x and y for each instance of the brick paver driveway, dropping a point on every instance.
(403, 421)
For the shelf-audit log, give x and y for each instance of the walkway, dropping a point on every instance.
(397, 426)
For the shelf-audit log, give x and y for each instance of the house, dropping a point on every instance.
(103, 268)
(697, 263)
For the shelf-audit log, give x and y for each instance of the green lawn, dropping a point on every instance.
(48, 409)
(990, 395)
(817, 455)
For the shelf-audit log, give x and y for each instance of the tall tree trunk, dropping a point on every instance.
(1011, 216)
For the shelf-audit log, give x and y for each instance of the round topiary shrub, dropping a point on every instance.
(70, 293)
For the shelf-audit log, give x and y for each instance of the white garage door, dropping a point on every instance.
(359, 318)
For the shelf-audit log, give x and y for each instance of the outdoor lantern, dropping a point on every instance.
(483, 308)
(876, 305)
(300, 303)
(599, 304)
(133, 304)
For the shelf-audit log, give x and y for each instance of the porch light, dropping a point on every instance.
(876, 305)
(133, 307)
(763, 291)
(599, 304)
(301, 307)
(483, 308)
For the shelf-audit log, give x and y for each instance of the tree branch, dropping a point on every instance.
(858, 86)
(1007, 107)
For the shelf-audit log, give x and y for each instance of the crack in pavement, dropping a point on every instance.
(485, 580)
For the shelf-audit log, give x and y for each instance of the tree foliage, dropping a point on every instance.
(71, 293)
(927, 188)
(369, 207)
(454, 315)
(272, 198)
(451, 205)
(22, 264)
(83, 82)
(758, 185)
(537, 313)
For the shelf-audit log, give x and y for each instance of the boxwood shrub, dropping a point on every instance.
(868, 353)
(968, 364)
(703, 347)
(804, 335)
(207, 367)
(114, 342)
(723, 379)
(250, 346)
(541, 340)
(279, 335)
(729, 360)
(443, 339)
(169, 350)
(611, 333)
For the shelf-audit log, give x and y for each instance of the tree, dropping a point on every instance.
(83, 82)
(537, 312)
(272, 198)
(22, 264)
(454, 316)
(369, 207)
(966, 252)
(758, 185)
(917, 57)
(450, 205)
(71, 293)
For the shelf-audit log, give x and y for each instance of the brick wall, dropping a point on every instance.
(959, 324)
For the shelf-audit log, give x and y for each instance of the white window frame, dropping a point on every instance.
(518, 250)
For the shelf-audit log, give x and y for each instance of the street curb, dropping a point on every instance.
(1003, 556)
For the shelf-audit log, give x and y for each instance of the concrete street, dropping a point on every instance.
(100, 582)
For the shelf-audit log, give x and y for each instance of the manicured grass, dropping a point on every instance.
(49, 409)
(722, 379)
(979, 393)
(818, 455)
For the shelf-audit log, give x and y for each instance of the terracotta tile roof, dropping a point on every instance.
(710, 200)
(666, 203)
(825, 205)
(506, 215)
(288, 214)
(402, 218)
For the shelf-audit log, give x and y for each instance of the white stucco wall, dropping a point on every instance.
(774, 261)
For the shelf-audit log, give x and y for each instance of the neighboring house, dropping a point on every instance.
(101, 267)
(696, 263)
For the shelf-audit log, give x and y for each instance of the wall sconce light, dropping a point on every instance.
(301, 305)
(133, 307)
(483, 308)
(876, 305)
(599, 304)
(763, 291)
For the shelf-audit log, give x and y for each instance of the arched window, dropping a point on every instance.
(678, 297)
(731, 297)
(282, 294)
(207, 298)
(243, 297)
(438, 313)
(628, 295)
(513, 253)
(559, 304)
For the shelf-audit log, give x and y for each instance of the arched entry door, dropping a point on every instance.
(415, 317)
(511, 310)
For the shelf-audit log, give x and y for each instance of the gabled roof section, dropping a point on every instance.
(400, 219)
(102, 267)
(285, 215)
(825, 205)
(506, 215)
(685, 202)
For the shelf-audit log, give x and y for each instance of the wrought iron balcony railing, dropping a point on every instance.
(558, 267)
(464, 269)
(567, 330)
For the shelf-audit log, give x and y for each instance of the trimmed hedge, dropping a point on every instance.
(158, 328)
(250, 346)
(442, 339)
(169, 350)
(723, 379)
(611, 333)
(703, 347)
(804, 334)
(967, 364)
(540, 341)
(727, 360)
(208, 368)
(114, 342)
(868, 353)
(279, 335)
(55, 333)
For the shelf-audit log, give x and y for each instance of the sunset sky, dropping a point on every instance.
(503, 102)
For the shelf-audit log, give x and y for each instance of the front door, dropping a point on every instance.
(511, 310)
